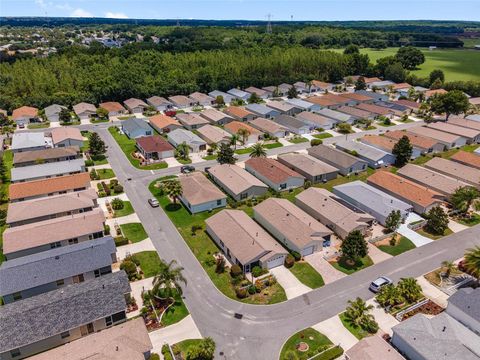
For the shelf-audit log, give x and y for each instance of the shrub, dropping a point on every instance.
(113, 182)
(258, 271)
(241, 293)
(307, 184)
(289, 261)
(118, 189)
(106, 229)
(210, 262)
(236, 271)
(260, 285)
(89, 163)
(102, 194)
(296, 256)
(252, 289)
(117, 204)
(130, 268)
(133, 259)
(315, 142)
(154, 356)
(220, 265)
(195, 228)
(94, 175)
(120, 241)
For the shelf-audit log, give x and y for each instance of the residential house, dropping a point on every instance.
(201, 99)
(424, 144)
(283, 107)
(337, 116)
(421, 198)
(273, 173)
(383, 85)
(372, 348)
(440, 183)
(135, 106)
(239, 94)
(302, 105)
(85, 111)
(262, 111)
(467, 158)
(387, 144)
(180, 136)
(135, 128)
(316, 121)
(253, 134)
(51, 207)
(192, 121)
(464, 306)
(401, 87)
(471, 136)
(114, 108)
(293, 125)
(67, 136)
(371, 200)
(450, 141)
(216, 117)
(163, 123)
(243, 241)
(181, 101)
(41, 323)
(49, 155)
(273, 91)
(227, 98)
(239, 113)
(464, 122)
(321, 86)
(154, 148)
(370, 81)
(25, 115)
(373, 95)
(473, 117)
(35, 274)
(48, 187)
(376, 109)
(47, 170)
(333, 212)
(199, 194)
(292, 226)
(214, 134)
(28, 141)
(52, 112)
(456, 170)
(262, 94)
(397, 109)
(311, 168)
(237, 182)
(375, 158)
(340, 100)
(128, 340)
(345, 163)
(301, 87)
(159, 103)
(284, 88)
(358, 114)
(430, 93)
(412, 105)
(269, 127)
(53, 233)
(358, 98)
(324, 102)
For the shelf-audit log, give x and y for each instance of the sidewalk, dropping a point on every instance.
(183, 330)
(433, 293)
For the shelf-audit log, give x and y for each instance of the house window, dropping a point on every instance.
(244, 196)
(115, 318)
(65, 334)
(60, 282)
(219, 202)
(56, 244)
(283, 186)
(17, 296)
(73, 241)
(15, 353)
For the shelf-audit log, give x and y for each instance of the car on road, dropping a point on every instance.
(187, 169)
(153, 202)
(382, 281)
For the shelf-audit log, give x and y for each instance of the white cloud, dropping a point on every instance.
(65, 6)
(41, 3)
(115, 15)
(81, 13)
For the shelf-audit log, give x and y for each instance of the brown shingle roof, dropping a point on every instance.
(237, 111)
(374, 109)
(267, 126)
(401, 86)
(466, 123)
(272, 169)
(24, 111)
(197, 189)
(455, 130)
(466, 158)
(234, 126)
(161, 121)
(355, 96)
(191, 119)
(430, 93)
(377, 141)
(112, 106)
(234, 178)
(83, 107)
(133, 103)
(416, 140)
(155, 143)
(355, 112)
(60, 134)
(46, 154)
(408, 103)
(454, 169)
(322, 101)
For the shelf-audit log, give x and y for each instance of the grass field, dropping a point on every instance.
(134, 232)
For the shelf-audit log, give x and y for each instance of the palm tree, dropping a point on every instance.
(472, 262)
(409, 289)
(233, 141)
(168, 279)
(244, 134)
(182, 151)
(258, 150)
(464, 197)
(173, 189)
(389, 296)
(447, 267)
(357, 311)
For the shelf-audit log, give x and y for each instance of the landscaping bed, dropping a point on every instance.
(434, 277)
(356, 331)
(322, 136)
(173, 310)
(430, 308)
(307, 275)
(306, 344)
(402, 244)
(110, 188)
(471, 220)
(342, 265)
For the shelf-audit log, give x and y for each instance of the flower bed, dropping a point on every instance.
(430, 308)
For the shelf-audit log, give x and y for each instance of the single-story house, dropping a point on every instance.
(320, 86)
(337, 116)
(375, 158)
(239, 94)
(159, 103)
(283, 107)
(163, 123)
(449, 140)
(39, 273)
(28, 141)
(471, 136)
(85, 111)
(464, 306)
(181, 101)
(376, 109)
(35, 325)
(464, 122)
(192, 121)
(52, 112)
(434, 92)
(357, 113)
(421, 198)
(27, 158)
(199, 194)
(239, 113)
(243, 241)
(24, 115)
(456, 170)
(114, 108)
(401, 87)
(49, 234)
(269, 127)
(154, 147)
(382, 84)
(302, 87)
(227, 98)
(345, 163)
(425, 144)
(237, 182)
(49, 187)
(467, 158)
(66, 136)
(333, 212)
(201, 99)
(135, 106)
(235, 126)
(302, 105)
(372, 348)
(340, 100)
(294, 125)
(262, 111)
(436, 181)
(180, 136)
(316, 121)
(273, 91)
(397, 109)
(214, 134)
(324, 102)
(311, 168)
(47, 170)
(371, 200)
(284, 88)
(260, 92)
(135, 128)
(412, 105)
(387, 144)
(473, 117)
(373, 95)
(216, 117)
(357, 97)
(273, 173)
(292, 226)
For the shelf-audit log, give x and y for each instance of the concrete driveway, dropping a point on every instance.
(292, 286)
(413, 236)
(376, 254)
(328, 272)
(385, 321)
(336, 332)
(183, 330)
(432, 292)
(455, 226)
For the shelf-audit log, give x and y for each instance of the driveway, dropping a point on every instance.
(328, 272)
(432, 292)
(385, 321)
(183, 330)
(376, 254)
(336, 332)
(413, 236)
(455, 226)
(132, 218)
(144, 245)
(292, 286)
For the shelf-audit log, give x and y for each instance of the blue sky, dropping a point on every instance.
(249, 9)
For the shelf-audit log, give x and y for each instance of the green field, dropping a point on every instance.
(456, 64)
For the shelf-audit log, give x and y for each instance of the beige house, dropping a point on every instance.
(28, 158)
(199, 194)
(216, 117)
(85, 111)
(214, 134)
(135, 106)
(372, 348)
(311, 168)
(472, 136)
(273, 173)
(449, 140)
(425, 144)
(269, 127)
(456, 170)
(191, 121)
(201, 99)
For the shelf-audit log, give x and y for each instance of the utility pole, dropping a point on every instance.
(269, 24)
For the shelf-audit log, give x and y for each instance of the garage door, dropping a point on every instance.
(278, 261)
(307, 251)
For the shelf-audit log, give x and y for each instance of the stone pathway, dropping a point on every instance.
(385, 321)
(328, 272)
(137, 288)
(183, 330)
(336, 332)
(432, 292)
(292, 286)
(376, 254)
(144, 245)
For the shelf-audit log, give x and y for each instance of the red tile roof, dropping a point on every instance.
(24, 111)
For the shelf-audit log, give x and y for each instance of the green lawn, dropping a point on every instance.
(323, 135)
(474, 219)
(127, 210)
(134, 232)
(316, 341)
(105, 174)
(298, 140)
(42, 125)
(424, 232)
(243, 151)
(360, 264)
(272, 145)
(307, 275)
(98, 121)
(175, 312)
(182, 347)
(358, 332)
(210, 157)
(4, 187)
(183, 161)
(403, 244)
(380, 123)
(149, 262)
(128, 147)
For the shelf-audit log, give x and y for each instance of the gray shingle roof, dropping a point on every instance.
(362, 149)
(42, 268)
(133, 124)
(28, 140)
(467, 300)
(42, 316)
(47, 169)
(53, 109)
(336, 157)
(260, 109)
(290, 122)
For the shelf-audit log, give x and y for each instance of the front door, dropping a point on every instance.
(86, 329)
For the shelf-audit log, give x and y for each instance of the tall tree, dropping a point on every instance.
(393, 220)
(437, 220)
(358, 314)
(173, 189)
(454, 102)
(292, 93)
(410, 57)
(472, 262)
(219, 100)
(436, 75)
(351, 49)
(225, 155)
(403, 151)
(102, 113)
(96, 145)
(254, 99)
(395, 72)
(169, 279)
(354, 246)
(464, 197)
(65, 116)
(360, 84)
(244, 134)
(258, 150)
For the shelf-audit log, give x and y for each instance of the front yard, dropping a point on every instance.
(472, 220)
(127, 210)
(356, 331)
(424, 232)
(348, 269)
(134, 232)
(403, 244)
(308, 342)
(298, 140)
(104, 174)
(307, 275)
(324, 135)
(149, 263)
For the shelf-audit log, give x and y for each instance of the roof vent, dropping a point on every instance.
(444, 328)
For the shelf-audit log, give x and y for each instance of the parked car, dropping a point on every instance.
(187, 169)
(382, 281)
(153, 202)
